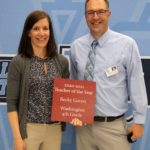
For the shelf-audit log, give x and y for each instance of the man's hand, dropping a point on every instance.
(76, 122)
(137, 130)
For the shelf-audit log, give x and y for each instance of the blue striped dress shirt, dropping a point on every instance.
(113, 89)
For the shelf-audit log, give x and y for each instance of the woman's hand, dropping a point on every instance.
(19, 144)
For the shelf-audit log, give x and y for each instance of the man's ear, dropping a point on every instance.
(110, 13)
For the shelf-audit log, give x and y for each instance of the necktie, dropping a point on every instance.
(88, 75)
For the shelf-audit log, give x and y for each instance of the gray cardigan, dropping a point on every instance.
(17, 86)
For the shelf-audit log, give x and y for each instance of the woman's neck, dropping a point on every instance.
(41, 53)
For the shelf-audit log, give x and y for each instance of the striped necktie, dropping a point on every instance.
(88, 75)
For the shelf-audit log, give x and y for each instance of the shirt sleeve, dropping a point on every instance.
(136, 84)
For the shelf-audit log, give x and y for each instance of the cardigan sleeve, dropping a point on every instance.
(64, 66)
(13, 84)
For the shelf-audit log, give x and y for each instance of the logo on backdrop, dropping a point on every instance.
(68, 19)
(4, 63)
(137, 26)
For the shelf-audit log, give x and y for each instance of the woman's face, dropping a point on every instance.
(40, 34)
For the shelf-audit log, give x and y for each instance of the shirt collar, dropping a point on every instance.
(102, 39)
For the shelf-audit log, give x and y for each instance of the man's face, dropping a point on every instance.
(97, 17)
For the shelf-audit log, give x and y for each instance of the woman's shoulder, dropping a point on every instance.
(63, 61)
(18, 58)
(19, 61)
(62, 58)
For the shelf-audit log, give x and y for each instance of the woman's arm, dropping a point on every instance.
(18, 141)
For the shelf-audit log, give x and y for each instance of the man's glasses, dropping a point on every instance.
(99, 13)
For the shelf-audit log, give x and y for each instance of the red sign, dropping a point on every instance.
(73, 99)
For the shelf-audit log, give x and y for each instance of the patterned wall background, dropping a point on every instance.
(129, 17)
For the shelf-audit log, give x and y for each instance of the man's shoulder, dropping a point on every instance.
(121, 36)
(81, 39)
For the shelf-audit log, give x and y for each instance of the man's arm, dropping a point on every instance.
(137, 91)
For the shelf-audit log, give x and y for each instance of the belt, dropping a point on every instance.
(107, 119)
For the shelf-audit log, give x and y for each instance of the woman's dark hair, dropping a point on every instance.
(25, 48)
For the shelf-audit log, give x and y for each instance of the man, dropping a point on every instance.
(116, 68)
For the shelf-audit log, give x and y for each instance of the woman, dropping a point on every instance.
(30, 84)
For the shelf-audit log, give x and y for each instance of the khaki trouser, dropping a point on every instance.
(43, 136)
(103, 136)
